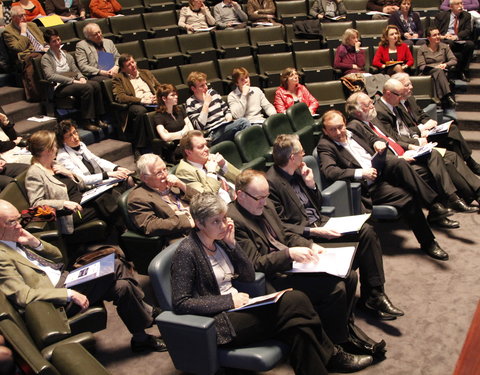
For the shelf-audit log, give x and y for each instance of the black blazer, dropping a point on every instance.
(288, 205)
(442, 19)
(195, 289)
(11, 134)
(252, 239)
(395, 20)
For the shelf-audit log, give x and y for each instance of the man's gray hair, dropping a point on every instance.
(16, 10)
(390, 84)
(87, 29)
(206, 205)
(401, 76)
(144, 163)
(351, 105)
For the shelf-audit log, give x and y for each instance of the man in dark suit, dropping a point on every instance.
(393, 119)
(272, 248)
(159, 206)
(420, 122)
(298, 202)
(345, 155)
(455, 27)
(31, 270)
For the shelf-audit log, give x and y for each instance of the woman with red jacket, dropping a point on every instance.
(291, 91)
(391, 50)
(104, 8)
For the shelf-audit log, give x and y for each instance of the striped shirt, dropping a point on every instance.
(217, 110)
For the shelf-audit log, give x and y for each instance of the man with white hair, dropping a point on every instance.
(159, 206)
(90, 53)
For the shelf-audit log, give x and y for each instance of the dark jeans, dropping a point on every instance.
(227, 132)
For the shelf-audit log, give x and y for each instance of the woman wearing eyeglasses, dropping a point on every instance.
(202, 271)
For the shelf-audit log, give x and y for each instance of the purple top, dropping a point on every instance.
(346, 56)
(467, 5)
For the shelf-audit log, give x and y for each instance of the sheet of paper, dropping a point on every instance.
(335, 261)
(41, 118)
(440, 129)
(346, 224)
(95, 192)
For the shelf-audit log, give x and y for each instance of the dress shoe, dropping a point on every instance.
(459, 205)
(360, 343)
(451, 101)
(91, 127)
(435, 251)
(463, 77)
(102, 124)
(445, 223)
(152, 344)
(346, 362)
(438, 211)
(22, 143)
(383, 307)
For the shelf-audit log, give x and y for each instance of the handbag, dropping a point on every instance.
(353, 82)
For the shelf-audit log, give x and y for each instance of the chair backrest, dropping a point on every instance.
(226, 66)
(275, 125)
(291, 9)
(270, 93)
(335, 30)
(313, 59)
(102, 22)
(123, 206)
(231, 37)
(170, 75)
(197, 41)
(126, 23)
(252, 143)
(159, 272)
(371, 27)
(207, 67)
(300, 116)
(266, 34)
(275, 62)
(133, 48)
(229, 151)
(161, 46)
(155, 19)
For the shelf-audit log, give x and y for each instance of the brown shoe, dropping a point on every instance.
(102, 124)
(91, 127)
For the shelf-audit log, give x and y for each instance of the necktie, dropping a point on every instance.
(33, 256)
(275, 244)
(37, 46)
(455, 25)
(402, 129)
(391, 143)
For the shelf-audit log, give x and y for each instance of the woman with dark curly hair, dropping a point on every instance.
(392, 55)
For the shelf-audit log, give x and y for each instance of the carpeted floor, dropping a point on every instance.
(439, 299)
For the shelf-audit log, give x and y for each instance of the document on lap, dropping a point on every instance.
(336, 261)
(99, 268)
(346, 224)
(263, 300)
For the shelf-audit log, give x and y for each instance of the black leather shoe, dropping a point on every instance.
(346, 362)
(460, 206)
(435, 251)
(451, 101)
(360, 343)
(22, 143)
(463, 77)
(445, 223)
(102, 124)
(383, 307)
(152, 344)
(91, 127)
(438, 211)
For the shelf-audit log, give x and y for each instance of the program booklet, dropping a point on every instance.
(99, 268)
(262, 300)
(347, 224)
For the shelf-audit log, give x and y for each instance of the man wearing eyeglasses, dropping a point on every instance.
(272, 248)
(159, 206)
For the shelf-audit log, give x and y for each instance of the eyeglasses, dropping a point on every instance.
(396, 93)
(71, 135)
(299, 152)
(13, 222)
(161, 173)
(255, 198)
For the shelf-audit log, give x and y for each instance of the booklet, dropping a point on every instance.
(49, 21)
(347, 224)
(262, 300)
(99, 268)
(336, 261)
(373, 12)
(440, 129)
(95, 192)
(336, 18)
(106, 60)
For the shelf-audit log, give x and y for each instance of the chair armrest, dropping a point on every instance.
(356, 192)
(45, 323)
(86, 339)
(328, 211)
(384, 212)
(338, 196)
(191, 341)
(73, 359)
(255, 288)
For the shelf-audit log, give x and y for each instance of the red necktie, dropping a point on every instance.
(455, 25)
(391, 143)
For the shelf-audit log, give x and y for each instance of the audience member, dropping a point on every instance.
(25, 42)
(33, 9)
(420, 122)
(159, 206)
(89, 53)
(263, 11)
(347, 156)
(392, 55)
(31, 270)
(207, 111)
(298, 202)
(246, 101)
(170, 119)
(202, 273)
(272, 248)
(74, 155)
(7, 365)
(59, 67)
(137, 88)
(104, 8)
(203, 171)
(455, 28)
(435, 59)
(383, 6)
(229, 14)
(292, 91)
(408, 23)
(327, 9)
(195, 17)
(349, 58)
(68, 11)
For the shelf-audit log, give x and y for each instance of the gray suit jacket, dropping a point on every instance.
(87, 56)
(49, 68)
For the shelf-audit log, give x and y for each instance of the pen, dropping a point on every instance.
(79, 215)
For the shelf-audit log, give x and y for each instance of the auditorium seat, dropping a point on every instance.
(275, 125)
(226, 67)
(252, 143)
(135, 49)
(198, 46)
(164, 52)
(333, 32)
(131, 7)
(291, 11)
(161, 24)
(229, 151)
(314, 65)
(356, 9)
(329, 94)
(129, 28)
(233, 42)
(68, 35)
(272, 64)
(268, 39)
(172, 75)
(160, 5)
(371, 31)
(102, 22)
(207, 67)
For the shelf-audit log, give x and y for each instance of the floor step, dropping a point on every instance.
(27, 126)
(473, 86)
(127, 162)
(111, 149)
(468, 120)
(22, 110)
(473, 138)
(474, 70)
(10, 95)
(467, 102)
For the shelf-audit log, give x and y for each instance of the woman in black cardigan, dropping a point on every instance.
(409, 24)
(202, 270)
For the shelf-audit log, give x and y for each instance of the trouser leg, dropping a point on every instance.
(83, 93)
(97, 97)
(137, 125)
(227, 133)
